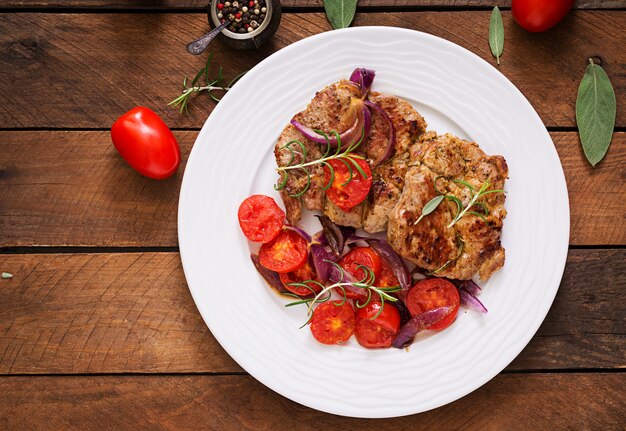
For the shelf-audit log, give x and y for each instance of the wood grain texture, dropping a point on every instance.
(73, 189)
(91, 68)
(508, 402)
(198, 4)
(133, 313)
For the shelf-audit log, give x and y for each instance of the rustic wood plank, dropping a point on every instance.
(90, 68)
(199, 4)
(72, 189)
(132, 312)
(508, 402)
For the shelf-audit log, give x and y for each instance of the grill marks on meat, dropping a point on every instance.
(325, 113)
(430, 244)
(388, 178)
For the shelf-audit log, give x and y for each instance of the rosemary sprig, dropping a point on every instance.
(346, 156)
(325, 293)
(483, 191)
(461, 210)
(211, 85)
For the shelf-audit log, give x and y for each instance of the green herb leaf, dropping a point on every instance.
(430, 206)
(7, 275)
(496, 34)
(595, 112)
(340, 13)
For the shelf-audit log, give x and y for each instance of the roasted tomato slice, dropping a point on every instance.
(260, 218)
(360, 256)
(434, 293)
(386, 278)
(344, 192)
(333, 322)
(380, 331)
(286, 253)
(304, 273)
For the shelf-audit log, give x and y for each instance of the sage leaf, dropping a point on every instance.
(7, 275)
(340, 13)
(496, 34)
(430, 206)
(595, 112)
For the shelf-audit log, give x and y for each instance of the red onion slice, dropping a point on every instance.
(272, 278)
(471, 302)
(362, 124)
(335, 235)
(417, 324)
(364, 78)
(394, 260)
(300, 232)
(321, 258)
(391, 142)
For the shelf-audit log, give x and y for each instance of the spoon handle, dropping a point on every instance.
(199, 45)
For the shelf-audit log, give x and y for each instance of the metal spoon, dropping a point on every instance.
(199, 45)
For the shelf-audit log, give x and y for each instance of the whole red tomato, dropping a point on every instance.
(146, 143)
(540, 15)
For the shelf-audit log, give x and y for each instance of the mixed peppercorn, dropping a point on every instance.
(244, 16)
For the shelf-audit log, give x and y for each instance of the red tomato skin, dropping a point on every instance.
(286, 253)
(386, 278)
(540, 15)
(347, 196)
(360, 256)
(305, 272)
(260, 218)
(432, 293)
(146, 143)
(333, 323)
(380, 332)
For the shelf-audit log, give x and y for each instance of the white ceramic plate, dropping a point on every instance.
(456, 92)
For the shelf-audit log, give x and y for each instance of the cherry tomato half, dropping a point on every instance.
(304, 273)
(434, 293)
(348, 194)
(540, 15)
(286, 253)
(363, 256)
(146, 143)
(333, 323)
(386, 278)
(381, 331)
(260, 218)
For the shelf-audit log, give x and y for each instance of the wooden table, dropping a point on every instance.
(97, 326)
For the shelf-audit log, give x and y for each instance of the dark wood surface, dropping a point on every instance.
(174, 402)
(97, 327)
(199, 4)
(91, 67)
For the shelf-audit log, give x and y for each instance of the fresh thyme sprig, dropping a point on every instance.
(212, 85)
(346, 156)
(325, 293)
(462, 210)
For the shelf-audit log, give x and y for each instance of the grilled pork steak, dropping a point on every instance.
(472, 246)
(325, 113)
(403, 184)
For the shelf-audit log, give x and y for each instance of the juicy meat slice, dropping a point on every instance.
(472, 246)
(325, 112)
(388, 178)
